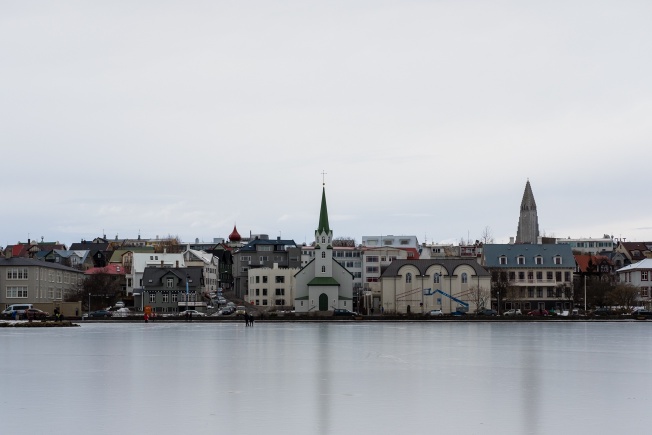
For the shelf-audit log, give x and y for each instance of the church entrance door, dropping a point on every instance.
(323, 302)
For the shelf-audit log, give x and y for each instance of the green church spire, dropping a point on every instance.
(323, 215)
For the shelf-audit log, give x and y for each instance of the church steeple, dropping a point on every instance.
(528, 221)
(323, 215)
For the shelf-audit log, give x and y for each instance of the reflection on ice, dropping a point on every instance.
(467, 378)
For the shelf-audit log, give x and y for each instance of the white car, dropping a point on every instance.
(192, 313)
(512, 312)
(436, 313)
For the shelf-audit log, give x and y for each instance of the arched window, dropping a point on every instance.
(323, 269)
(408, 277)
(323, 254)
(436, 278)
(323, 239)
(465, 278)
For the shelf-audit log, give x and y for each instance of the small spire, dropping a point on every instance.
(323, 214)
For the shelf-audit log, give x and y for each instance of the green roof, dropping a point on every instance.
(323, 215)
(324, 281)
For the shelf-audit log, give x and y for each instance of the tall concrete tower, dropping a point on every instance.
(528, 222)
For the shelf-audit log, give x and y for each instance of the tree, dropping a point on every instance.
(104, 288)
(487, 236)
(171, 244)
(623, 296)
(597, 291)
(479, 296)
(499, 286)
(566, 293)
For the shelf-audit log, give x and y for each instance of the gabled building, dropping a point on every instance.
(323, 285)
(634, 251)
(99, 250)
(419, 286)
(262, 253)
(539, 276)
(169, 290)
(639, 275)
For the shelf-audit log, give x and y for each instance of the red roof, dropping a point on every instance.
(111, 269)
(582, 261)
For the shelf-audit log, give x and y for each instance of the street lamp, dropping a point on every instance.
(187, 278)
(89, 304)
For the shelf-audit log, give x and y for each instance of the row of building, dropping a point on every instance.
(391, 274)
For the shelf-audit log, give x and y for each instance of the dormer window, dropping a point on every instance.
(520, 259)
(538, 259)
(502, 260)
(557, 259)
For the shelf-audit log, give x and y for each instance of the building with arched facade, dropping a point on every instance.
(418, 286)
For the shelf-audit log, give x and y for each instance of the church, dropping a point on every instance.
(323, 284)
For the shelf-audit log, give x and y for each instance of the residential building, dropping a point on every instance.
(272, 287)
(639, 275)
(136, 262)
(528, 221)
(27, 280)
(210, 268)
(450, 285)
(538, 276)
(589, 246)
(169, 290)
(262, 253)
(634, 251)
(324, 284)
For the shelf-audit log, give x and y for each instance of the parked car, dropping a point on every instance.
(240, 310)
(192, 313)
(122, 312)
(539, 312)
(602, 311)
(36, 313)
(101, 313)
(512, 312)
(343, 312)
(487, 312)
(436, 313)
(226, 311)
(642, 313)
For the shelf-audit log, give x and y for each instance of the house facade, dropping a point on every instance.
(419, 286)
(272, 288)
(639, 275)
(27, 280)
(169, 290)
(537, 276)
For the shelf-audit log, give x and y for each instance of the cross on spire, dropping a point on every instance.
(323, 178)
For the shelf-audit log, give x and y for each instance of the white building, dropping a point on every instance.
(639, 275)
(139, 261)
(272, 287)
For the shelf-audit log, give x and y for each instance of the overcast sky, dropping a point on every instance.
(428, 117)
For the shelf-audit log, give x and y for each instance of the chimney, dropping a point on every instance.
(177, 265)
(161, 263)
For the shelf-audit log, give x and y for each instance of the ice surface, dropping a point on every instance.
(325, 378)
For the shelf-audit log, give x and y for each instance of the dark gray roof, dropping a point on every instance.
(448, 264)
(156, 273)
(24, 262)
(547, 252)
(251, 246)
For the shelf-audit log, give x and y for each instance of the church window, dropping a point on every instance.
(436, 278)
(465, 278)
(323, 254)
(323, 269)
(408, 277)
(323, 239)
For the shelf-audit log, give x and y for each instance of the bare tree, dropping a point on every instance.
(565, 293)
(624, 296)
(479, 296)
(487, 236)
(499, 285)
(102, 287)
(171, 244)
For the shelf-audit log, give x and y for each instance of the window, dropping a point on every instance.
(169, 283)
(257, 280)
(530, 292)
(644, 275)
(557, 259)
(512, 276)
(280, 279)
(280, 301)
(465, 278)
(539, 276)
(280, 292)
(323, 254)
(264, 280)
(175, 297)
(264, 301)
(372, 259)
(245, 258)
(17, 273)
(257, 292)
(549, 275)
(539, 292)
(264, 292)
(152, 297)
(551, 292)
(263, 258)
(16, 292)
(558, 276)
(436, 278)
(521, 276)
(372, 269)
(521, 260)
(323, 269)
(538, 259)
(502, 260)
(166, 297)
(567, 276)
(323, 239)
(645, 292)
(408, 277)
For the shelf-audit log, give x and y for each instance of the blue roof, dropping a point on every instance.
(492, 254)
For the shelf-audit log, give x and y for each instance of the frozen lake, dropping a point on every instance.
(325, 378)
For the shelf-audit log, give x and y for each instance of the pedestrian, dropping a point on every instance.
(76, 312)
(246, 317)
(251, 320)
(146, 317)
